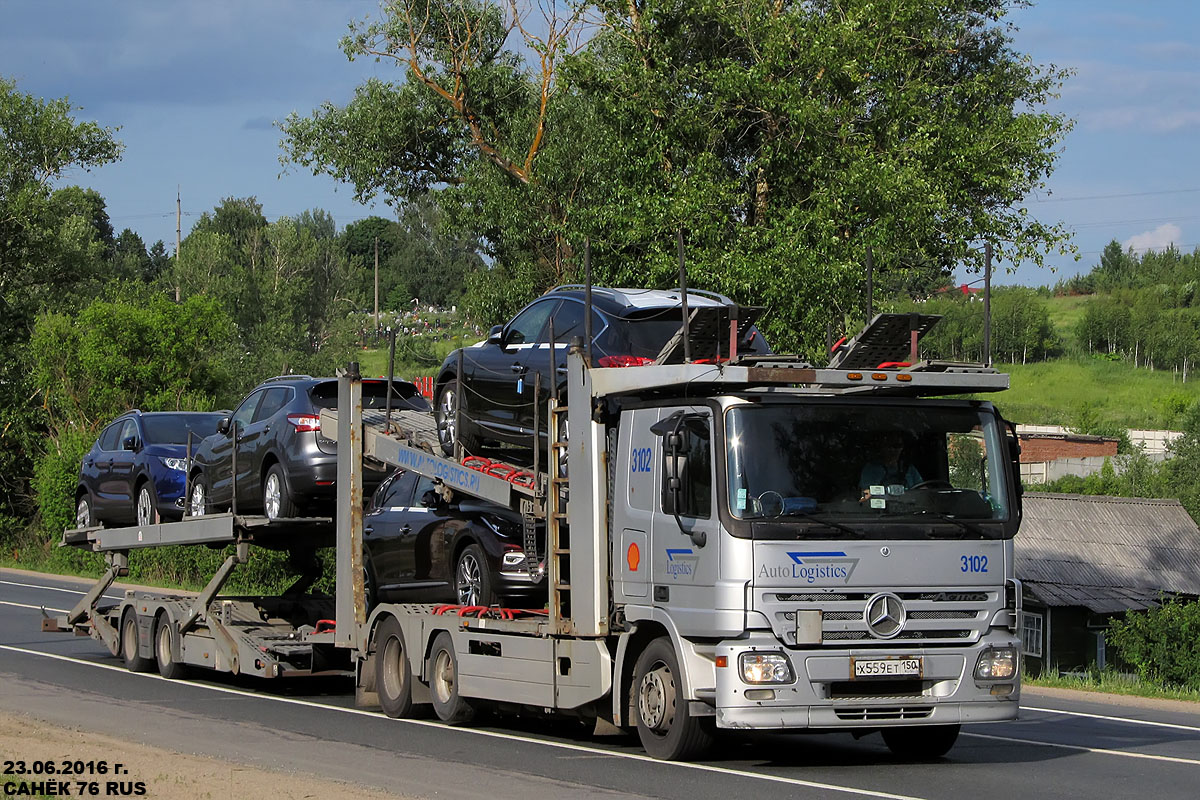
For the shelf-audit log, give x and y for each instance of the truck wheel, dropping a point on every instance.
(165, 648)
(129, 644)
(921, 743)
(666, 728)
(393, 675)
(445, 412)
(450, 707)
(277, 502)
(473, 578)
(144, 510)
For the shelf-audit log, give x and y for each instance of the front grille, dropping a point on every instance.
(859, 636)
(906, 687)
(883, 712)
(943, 615)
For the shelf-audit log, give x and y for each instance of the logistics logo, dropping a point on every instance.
(812, 567)
(681, 564)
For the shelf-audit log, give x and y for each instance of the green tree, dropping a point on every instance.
(784, 138)
(40, 143)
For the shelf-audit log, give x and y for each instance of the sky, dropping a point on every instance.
(196, 88)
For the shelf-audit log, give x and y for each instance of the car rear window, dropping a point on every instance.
(645, 332)
(174, 428)
(374, 394)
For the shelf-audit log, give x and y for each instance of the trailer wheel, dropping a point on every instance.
(666, 728)
(129, 644)
(393, 675)
(165, 648)
(451, 708)
(921, 743)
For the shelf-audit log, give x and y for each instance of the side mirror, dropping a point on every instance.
(129, 443)
(676, 470)
(431, 499)
(223, 426)
(496, 335)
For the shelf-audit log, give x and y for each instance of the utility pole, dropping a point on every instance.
(376, 283)
(987, 304)
(178, 237)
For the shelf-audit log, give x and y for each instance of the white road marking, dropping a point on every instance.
(827, 787)
(1130, 720)
(56, 589)
(1085, 749)
(35, 608)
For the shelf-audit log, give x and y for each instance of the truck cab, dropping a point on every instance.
(822, 559)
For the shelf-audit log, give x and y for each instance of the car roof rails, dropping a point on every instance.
(289, 378)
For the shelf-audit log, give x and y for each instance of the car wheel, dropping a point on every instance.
(451, 707)
(446, 414)
(665, 726)
(144, 509)
(472, 578)
(165, 649)
(134, 662)
(83, 513)
(370, 593)
(393, 674)
(277, 502)
(198, 500)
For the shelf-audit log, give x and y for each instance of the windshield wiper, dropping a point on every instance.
(827, 522)
(966, 526)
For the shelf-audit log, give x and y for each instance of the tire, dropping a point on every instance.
(473, 584)
(921, 743)
(666, 728)
(450, 707)
(165, 647)
(370, 590)
(393, 674)
(447, 415)
(129, 644)
(84, 518)
(277, 501)
(199, 501)
(145, 510)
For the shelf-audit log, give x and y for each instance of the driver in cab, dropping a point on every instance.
(888, 468)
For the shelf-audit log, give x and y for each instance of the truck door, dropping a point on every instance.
(685, 526)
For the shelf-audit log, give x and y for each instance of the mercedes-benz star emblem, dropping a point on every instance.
(884, 615)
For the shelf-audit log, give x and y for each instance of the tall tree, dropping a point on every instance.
(784, 138)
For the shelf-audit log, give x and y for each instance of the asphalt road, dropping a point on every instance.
(1058, 748)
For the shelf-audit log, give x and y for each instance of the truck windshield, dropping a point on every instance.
(865, 464)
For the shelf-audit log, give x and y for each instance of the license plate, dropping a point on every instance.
(886, 668)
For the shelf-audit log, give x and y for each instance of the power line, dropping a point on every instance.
(1112, 196)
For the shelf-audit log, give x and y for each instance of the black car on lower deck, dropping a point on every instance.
(285, 466)
(630, 328)
(418, 548)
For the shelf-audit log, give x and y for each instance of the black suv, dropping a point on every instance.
(285, 467)
(630, 328)
(134, 473)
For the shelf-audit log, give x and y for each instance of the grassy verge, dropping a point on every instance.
(1081, 390)
(1110, 682)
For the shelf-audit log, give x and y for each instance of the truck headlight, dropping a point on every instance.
(996, 664)
(765, 668)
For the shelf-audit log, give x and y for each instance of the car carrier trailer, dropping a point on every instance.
(711, 560)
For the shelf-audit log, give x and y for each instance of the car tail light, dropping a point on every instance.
(624, 361)
(305, 422)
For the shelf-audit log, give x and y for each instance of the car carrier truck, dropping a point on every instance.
(719, 554)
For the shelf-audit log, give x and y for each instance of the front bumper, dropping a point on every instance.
(824, 695)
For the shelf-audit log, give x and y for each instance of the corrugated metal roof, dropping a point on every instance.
(1106, 553)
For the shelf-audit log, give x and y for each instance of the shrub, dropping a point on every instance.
(1163, 644)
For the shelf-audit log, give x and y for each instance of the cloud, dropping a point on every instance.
(1160, 238)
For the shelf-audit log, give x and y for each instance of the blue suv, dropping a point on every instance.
(135, 472)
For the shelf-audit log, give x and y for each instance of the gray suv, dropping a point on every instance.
(285, 467)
